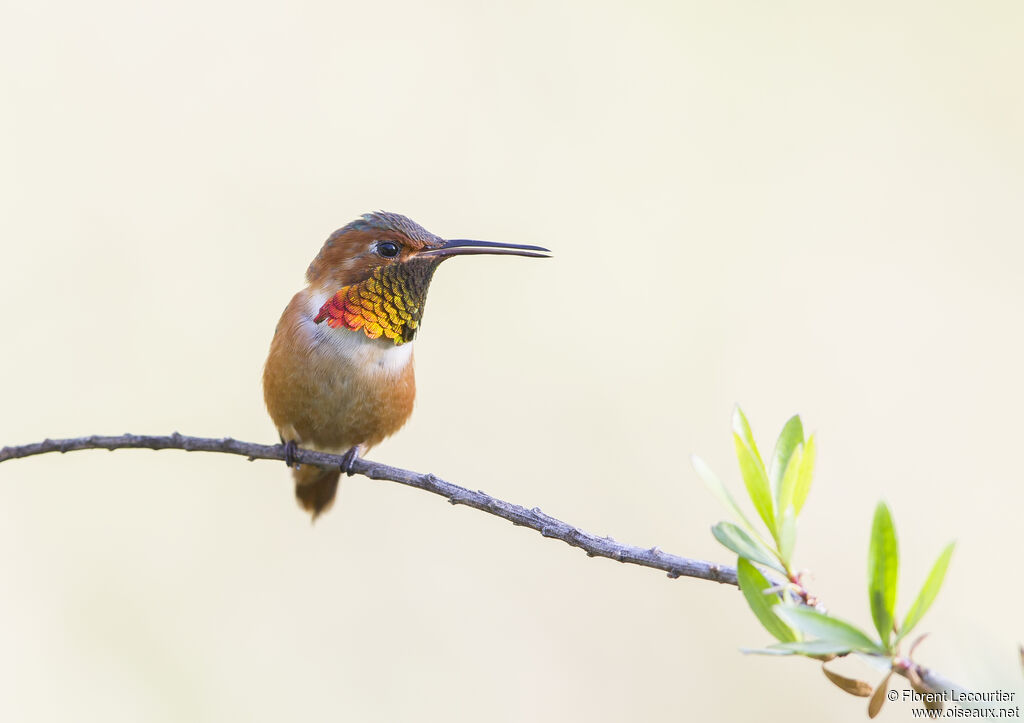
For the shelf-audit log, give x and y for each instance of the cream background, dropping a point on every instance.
(801, 207)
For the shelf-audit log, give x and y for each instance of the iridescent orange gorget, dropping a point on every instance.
(389, 303)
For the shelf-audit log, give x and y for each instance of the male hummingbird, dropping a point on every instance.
(339, 377)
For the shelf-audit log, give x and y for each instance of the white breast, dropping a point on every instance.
(371, 355)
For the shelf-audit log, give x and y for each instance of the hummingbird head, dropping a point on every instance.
(383, 263)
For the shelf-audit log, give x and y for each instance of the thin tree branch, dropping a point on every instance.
(546, 525)
(674, 565)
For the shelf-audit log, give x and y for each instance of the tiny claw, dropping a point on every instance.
(349, 458)
(290, 448)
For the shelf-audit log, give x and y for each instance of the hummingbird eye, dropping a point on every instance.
(387, 249)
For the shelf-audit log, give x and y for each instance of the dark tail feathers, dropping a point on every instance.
(315, 488)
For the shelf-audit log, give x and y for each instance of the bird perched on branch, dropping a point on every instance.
(339, 377)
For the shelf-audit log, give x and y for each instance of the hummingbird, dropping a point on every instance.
(339, 376)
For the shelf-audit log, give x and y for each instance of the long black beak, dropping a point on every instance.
(462, 247)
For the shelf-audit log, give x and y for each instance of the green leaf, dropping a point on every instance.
(741, 427)
(753, 585)
(814, 647)
(737, 540)
(804, 478)
(756, 481)
(834, 630)
(883, 572)
(929, 590)
(791, 436)
(719, 490)
(879, 662)
(766, 651)
(787, 537)
(787, 485)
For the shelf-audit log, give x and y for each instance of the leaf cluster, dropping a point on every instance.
(784, 608)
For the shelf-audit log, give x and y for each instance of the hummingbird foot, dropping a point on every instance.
(348, 459)
(289, 454)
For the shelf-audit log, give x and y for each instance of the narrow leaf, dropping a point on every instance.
(766, 651)
(753, 585)
(741, 427)
(790, 437)
(805, 476)
(880, 663)
(711, 481)
(787, 537)
(878, 699)
(929, 590)
(756, 482)
(814, 647)
(850, 685)
(787, 485)
(744, 545)
(823, 626)
(883, 572)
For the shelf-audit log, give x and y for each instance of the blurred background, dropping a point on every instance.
(798, 207)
